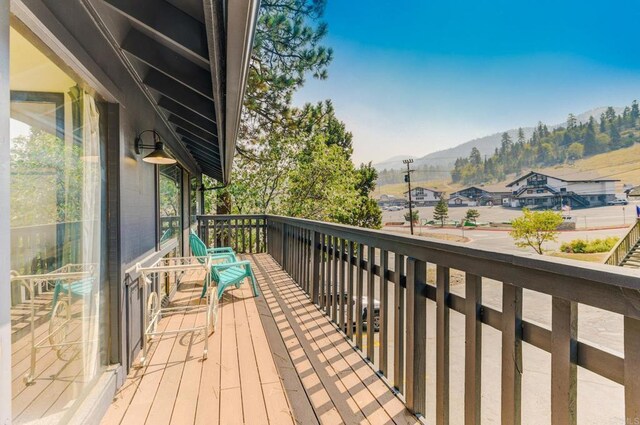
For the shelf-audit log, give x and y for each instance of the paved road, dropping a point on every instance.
(500, 239)
(591, 217)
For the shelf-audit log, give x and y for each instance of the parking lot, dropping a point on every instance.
(591, 223)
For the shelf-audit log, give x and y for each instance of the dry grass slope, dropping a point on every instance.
(622, 164)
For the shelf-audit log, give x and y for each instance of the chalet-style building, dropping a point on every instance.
(480, 195)
(545, 191)
(423, 196)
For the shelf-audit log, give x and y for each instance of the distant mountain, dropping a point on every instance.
(486, 145)
(393, 163)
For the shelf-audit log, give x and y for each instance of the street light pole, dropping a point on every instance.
(407, 178)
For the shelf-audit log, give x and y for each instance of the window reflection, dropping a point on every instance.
(170, 203)
(56, 214)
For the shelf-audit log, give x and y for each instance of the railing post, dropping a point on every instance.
(416, 336)
(511, 354)
(631, 370)
(473, 349)
(398, 324)
(564, 357)
(371, 257)
(442, 345)
(283, 246)
(384, 309)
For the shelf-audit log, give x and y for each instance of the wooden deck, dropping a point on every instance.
(273, 359)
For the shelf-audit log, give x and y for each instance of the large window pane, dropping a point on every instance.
(170, 203)
(57, 311)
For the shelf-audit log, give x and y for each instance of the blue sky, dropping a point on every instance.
(414, 77)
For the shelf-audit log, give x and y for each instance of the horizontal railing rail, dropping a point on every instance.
(342, 268)
(619, 252)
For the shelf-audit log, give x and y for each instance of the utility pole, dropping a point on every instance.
(407, 178)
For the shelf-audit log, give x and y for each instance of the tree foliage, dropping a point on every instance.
(549, 147)
(472, 214)
(534, 228)
(413, 216)
(291, 160)
(441, 211)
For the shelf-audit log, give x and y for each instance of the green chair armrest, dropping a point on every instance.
(220, 250)
(220, 267)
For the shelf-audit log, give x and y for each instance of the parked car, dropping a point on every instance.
(618, 202)
(365, 306)
(395, 208)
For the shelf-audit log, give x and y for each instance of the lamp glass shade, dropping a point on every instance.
(159, 156)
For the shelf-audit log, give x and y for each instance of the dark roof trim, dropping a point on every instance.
(560, 178)
(242, 17)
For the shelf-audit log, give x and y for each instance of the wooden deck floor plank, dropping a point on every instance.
(230, 394)
(323, 405)
(208, 402)
(125, 394)
(184, 411)
(346, 406)
(253, 400)
(267, 355)
(166, 396)
(366, 376)
(260, 318)
(358, 392)
(141, 403)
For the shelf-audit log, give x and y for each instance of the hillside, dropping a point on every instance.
(621, 164)
(486, 145)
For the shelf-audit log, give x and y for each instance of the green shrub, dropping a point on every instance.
(580, 246)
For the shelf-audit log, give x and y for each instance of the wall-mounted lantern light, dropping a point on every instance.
(158, 156)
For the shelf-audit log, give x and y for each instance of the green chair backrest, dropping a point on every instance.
(198, 247)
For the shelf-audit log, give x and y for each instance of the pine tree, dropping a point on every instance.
(590, 142)
(441, 211)
(521, 138)
(603, 123)
(635, 112)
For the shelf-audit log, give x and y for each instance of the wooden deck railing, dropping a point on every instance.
(244, 233)
(624, 245)
(328, 259)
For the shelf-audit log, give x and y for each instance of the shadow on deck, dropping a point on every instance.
(273, 359)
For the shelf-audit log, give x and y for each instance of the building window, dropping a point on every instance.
(170, 203)
(419, 191)
(57, 210)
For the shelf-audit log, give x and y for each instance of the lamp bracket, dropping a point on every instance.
(138, 145)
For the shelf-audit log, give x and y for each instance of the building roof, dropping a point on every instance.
(423, 188)
(495, 188)
(192, 63)
(576, 178)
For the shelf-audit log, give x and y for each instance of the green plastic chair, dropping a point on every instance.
(233, 274)
(200, 249)
(229, 273)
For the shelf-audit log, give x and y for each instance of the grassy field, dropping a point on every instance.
(594, 258)
(622, 164)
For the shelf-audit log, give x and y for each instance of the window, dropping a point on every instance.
(194, 201)
(170, 203)
(57, 221)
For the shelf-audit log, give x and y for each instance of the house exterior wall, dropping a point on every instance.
(423, 196)
(131, 199)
